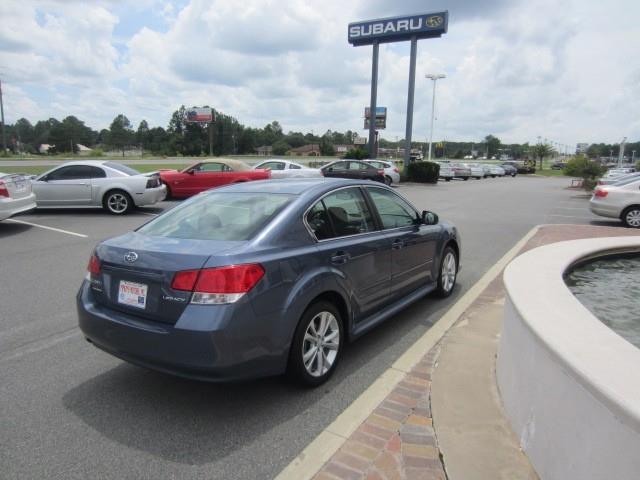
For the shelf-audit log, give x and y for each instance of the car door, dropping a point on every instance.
(351, 245)
(64, 186)
(413, 244)
(337, 169)
(278, 169)
(205, 176)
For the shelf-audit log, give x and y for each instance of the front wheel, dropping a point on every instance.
(317, 345)
(631, 217)
(448, 272)
(117, 202)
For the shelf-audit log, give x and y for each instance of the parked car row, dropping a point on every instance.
(465, 171)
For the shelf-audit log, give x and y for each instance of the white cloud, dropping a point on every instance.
(562, 70)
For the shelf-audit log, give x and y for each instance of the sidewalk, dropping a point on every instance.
(444, 418)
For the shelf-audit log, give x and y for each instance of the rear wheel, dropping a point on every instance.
(317, 345)
(466, 178)
(448, 272)
(117, 202)
(447, 179)
(631, 217)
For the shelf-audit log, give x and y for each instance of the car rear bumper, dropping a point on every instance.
(13, 206)
(219, 349)
(150, 196)
(604, 209)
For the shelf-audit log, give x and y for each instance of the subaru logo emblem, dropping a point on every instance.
(131, 257)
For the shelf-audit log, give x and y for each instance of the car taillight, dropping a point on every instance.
(218, 285)
(396, 170)
(153, 182)
(381, 172)
(600, 193)
(3, 190)
(93, 271)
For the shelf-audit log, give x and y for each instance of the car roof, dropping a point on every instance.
(294, 186)
(235, 164)
(94, 163)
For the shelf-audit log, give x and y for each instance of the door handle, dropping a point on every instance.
(339, 258)
(397, 245)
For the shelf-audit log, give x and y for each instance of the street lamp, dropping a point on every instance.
(434, 77)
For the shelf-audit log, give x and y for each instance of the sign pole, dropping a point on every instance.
(211, 139)
(4, 127)
(412, 84)
(372, 104)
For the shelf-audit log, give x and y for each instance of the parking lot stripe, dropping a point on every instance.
(59, 230)
(319, 451)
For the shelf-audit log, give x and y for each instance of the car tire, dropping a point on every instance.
(447, 273)
(466, 178)
(631, 216)
(388, 180)
(447, 179)
(117, 202)
(308, 368)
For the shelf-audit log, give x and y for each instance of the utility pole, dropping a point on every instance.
(621, 152)
(434, 77)
(4, 129)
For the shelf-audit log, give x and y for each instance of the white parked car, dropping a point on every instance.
(391, 172)
(92, 183)
(446, 171)
(476, 170)
(618, 200)
(286, 169)
(496, 171)
(16, 195)
(617, 172)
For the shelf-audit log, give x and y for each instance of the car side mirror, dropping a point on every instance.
(429, 218)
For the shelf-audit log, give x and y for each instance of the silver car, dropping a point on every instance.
(287, 169)
(618, 200)
(92, 183)
(16, 195)
(391, 172)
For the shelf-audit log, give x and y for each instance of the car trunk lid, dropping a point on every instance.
(16, 186)
(136, 272)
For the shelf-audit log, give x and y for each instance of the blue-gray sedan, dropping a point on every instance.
(262, 278)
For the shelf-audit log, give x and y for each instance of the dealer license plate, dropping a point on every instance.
(132, 294)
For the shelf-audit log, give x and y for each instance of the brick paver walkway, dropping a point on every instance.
(397, 441)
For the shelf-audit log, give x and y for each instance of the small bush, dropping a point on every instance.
(356, 154)
(587, 169)
(97, 152)
(423, 172)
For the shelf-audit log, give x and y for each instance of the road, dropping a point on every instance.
(68, 410)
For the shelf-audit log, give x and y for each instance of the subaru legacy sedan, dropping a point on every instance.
(263, 278)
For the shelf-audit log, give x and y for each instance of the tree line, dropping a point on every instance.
(229, 136)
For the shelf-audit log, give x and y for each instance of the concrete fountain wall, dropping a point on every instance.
(570, 385)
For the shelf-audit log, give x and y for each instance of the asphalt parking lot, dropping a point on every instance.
(68, 410)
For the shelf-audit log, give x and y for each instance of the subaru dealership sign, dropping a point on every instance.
(398, 28)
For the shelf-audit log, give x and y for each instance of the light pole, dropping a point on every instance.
(433, 77)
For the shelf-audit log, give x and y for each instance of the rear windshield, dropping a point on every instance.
(122, 168)
(218, 216)
(627, 180)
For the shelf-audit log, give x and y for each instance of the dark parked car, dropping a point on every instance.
(266, 277)
(522, 167)
(509, 169)
(353, 169)
(558, 166)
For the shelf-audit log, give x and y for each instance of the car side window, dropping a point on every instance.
(358, 166)
(339, 166)
(73, 172)
(293, 166)
(97, 172)
(345, 211)
(394, 211)
(212, 167)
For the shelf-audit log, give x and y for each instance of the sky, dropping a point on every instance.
(562, 70)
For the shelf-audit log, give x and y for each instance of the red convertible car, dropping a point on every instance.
(205, 175)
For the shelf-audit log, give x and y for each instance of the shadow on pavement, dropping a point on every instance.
(8, 229)
(195, 423)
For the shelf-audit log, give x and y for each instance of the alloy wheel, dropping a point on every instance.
(118, 202)
(448, 273)
(632, 218)
(320, 344)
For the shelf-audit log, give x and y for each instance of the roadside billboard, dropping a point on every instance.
(395, 29)
(199, 115)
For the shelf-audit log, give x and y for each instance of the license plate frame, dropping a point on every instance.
(132, 294)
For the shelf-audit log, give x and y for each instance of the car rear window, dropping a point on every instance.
(122, 168)
(626, 180)
(218, 216)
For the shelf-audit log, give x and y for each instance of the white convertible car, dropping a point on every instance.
(286, 169)
(92, 183)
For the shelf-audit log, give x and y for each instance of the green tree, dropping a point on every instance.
(120, 133)
(541, 151)
(492, 145)
(281, 147)
(142, 134)
(66, 135)
(587, 169)
(26, 134)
